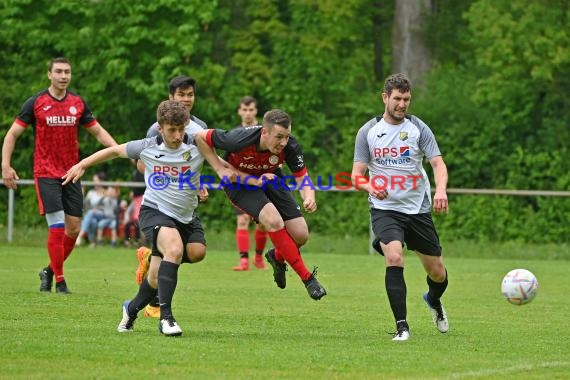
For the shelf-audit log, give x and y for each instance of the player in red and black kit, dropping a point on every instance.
(260, 151)
(247, 111)
(55, 114)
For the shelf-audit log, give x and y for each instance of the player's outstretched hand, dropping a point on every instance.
(73, 174)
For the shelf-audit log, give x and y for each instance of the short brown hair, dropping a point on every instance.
(172, 113)
(58, 60)
(247, 100)
(276, 117)
(397, 81)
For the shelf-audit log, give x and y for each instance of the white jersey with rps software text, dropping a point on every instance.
(172, 176)
(394, 154)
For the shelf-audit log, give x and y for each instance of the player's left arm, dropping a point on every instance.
(223, 171)
(307, 191)
(101, 135)
(440, 203)
(296, 162)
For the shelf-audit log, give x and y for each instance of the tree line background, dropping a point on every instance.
(491, 80)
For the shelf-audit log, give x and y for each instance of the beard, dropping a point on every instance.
(394, 116)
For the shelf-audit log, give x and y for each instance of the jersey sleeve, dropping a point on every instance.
(198, 121)
(87, 119)
(135, 147)
(233, 140)
(361, 148)
(294, 158)
(26, 115)
(427, 142)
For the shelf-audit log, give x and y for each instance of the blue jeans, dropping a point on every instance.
(89, 224)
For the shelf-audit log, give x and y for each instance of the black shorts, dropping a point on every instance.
(252, 200)
(416, 231)
(53, 197)
(151, 220)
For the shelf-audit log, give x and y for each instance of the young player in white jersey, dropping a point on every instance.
(181, 88)
(391, 148)
(172, 173)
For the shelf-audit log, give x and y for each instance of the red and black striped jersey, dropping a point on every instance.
(56, 124)
(242, 151)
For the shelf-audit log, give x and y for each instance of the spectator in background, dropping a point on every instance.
(93, 206)
(131, 220)
(110, 215)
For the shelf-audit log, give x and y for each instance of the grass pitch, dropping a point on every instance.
(239, 325)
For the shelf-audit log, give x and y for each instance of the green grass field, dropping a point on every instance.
(239, 325)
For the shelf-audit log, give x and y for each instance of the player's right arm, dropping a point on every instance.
(362, 183)
(9, 175)
(77, 170)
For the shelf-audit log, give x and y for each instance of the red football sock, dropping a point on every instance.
(68, 245)
(284, 243)
(260, 240)
(55, 251)
(242, 241)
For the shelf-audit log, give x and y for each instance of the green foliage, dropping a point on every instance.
(500, 113)
(496, 99)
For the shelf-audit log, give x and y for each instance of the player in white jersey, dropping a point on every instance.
(173, 165)
(182, 89)
(391, 148)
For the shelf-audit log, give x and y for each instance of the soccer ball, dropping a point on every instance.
(519, 286)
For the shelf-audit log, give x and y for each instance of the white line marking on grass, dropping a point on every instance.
(506, 370)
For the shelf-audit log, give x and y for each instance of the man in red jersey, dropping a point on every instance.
(260, 151)
(55, 114)
(247, 111)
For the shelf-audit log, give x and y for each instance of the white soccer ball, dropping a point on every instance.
(519, 286)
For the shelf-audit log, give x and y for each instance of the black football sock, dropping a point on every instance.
(167, 280)
(243, 255)
(145, 295)
(436, 290)
(396, 290)
(154, 302)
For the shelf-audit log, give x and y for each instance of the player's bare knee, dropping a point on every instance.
(173, 255)
(300, 238)
(196, 253)
(438, 274)
(243, 222)
(393, 259)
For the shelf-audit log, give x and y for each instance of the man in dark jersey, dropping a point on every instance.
(247, 111)
(55, 114)
(260, 151)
